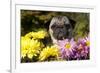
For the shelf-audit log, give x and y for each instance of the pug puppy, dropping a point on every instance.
(60, 28)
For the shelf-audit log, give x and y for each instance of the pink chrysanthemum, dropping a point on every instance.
(67, 48)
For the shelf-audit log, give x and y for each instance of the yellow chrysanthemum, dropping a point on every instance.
(37, 35)
(30, 47)
(49, 51)
(41, 34)
(24, 46)
(29, 35)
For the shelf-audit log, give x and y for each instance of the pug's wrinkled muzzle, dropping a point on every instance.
(60, 34)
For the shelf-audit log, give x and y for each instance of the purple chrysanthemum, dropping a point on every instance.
(72, 50)
(83, 47)
(67, 47)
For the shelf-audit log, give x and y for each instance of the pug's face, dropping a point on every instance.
(61, 28)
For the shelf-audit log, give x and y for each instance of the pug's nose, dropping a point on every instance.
(60, 37)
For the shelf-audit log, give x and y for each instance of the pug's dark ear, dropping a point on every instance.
(46, 25)
(73, 23)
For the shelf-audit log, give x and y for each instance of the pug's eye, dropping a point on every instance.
(53, 26)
